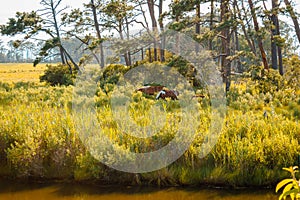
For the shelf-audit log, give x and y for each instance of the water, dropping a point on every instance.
(29, 191)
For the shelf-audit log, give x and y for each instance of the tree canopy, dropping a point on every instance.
(239, 34)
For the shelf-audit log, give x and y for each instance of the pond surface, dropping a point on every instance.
(34, 191)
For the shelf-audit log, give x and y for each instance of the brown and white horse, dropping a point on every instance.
(173, 94)
(150, 90)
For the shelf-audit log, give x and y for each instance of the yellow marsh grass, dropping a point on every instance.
(16, 72)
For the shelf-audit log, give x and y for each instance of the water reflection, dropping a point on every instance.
(29, 191)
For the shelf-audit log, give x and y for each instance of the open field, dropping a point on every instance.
(16, 72)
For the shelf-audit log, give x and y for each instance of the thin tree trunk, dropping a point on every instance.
(177, 39)
(250, 44)
(150, 54)
(120, 30)
(236, 38)
(276, 50)
(273, 35)
(225, 64)
(280, 62)
(63, 53)
(98, 32)
(211, 23)
(259, 39)
(71, 59)
(63, 61)
(142, 49)
(294, 18)
(154, 25)
(155, 49)
(128, 37)
(151, 12)
(198, 16)
(161, 26)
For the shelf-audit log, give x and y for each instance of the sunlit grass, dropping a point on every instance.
(39, 138)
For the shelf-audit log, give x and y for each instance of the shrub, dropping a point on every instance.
(5, 87)
(292, 74)
(111, 76)
(58, 75)
(187, 70)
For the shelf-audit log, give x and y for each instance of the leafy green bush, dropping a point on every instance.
(111, 76)
(58, 75)
(187, 70)
(263, 81)
(5, 86)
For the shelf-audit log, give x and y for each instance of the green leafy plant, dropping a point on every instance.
(58, 75)
(291, 185)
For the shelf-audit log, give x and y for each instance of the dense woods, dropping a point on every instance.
(238, 33)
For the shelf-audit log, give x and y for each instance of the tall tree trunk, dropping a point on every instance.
(63, 52)
(249, 42)
(211, 22)
(154, 25)
(198, 16)
(294, 18)
(259, 39)
(150, 55)
(152, 13)
(236, 37)
(128, 37)
(120, 30)
(63, 61)
(98, 32)
(142, 49)
(177, 39)
(161, 26)
(225, 64)
(274, 33)
(276, 50)
(280, 62)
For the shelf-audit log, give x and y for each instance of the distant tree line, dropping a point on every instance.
(28, 51)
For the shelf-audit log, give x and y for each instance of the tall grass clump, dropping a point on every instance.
(37, 132)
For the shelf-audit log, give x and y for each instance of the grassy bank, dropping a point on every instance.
(38, 139)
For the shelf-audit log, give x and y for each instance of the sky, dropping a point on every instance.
(10, 7)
